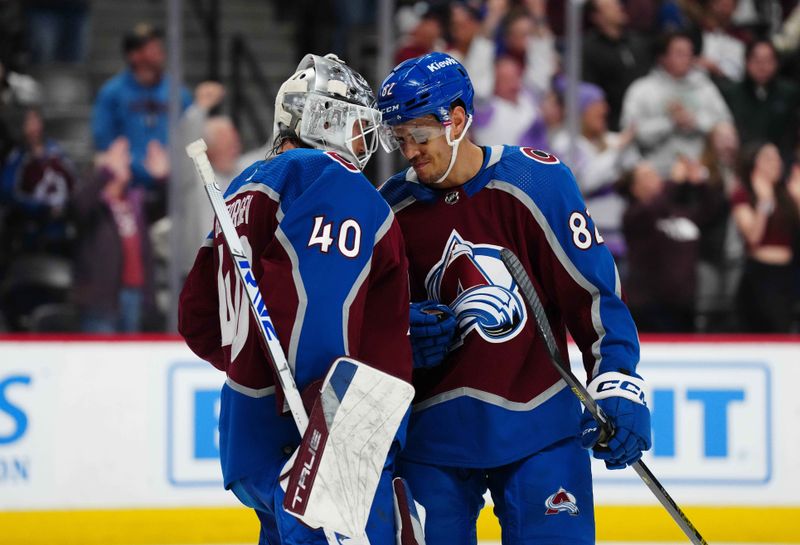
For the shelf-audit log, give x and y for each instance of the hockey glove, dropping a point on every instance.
(621, 397)
(433, 327)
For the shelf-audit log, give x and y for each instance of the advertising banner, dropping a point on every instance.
(120, 427)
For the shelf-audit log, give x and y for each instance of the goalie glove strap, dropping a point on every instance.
(614, 384)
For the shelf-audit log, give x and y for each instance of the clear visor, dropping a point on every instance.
(394, 137)
(337, 125)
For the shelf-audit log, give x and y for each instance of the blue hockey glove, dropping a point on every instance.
(621, 397)
(433, 326)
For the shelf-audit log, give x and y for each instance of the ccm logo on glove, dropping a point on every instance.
(617, 385)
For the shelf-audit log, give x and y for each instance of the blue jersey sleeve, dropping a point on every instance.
(575, 269)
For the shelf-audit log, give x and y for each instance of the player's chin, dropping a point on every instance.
(425, 174)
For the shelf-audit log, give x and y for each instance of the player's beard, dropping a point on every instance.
(429, 176)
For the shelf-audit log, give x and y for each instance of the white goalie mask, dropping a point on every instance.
(330, 106)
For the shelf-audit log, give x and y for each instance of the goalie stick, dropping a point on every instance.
(197, 152)
(517, 271)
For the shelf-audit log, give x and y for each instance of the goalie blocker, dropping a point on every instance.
(336, 469)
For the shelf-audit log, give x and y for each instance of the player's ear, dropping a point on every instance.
(458, 116)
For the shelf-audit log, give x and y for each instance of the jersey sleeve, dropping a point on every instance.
(380, 335)
(198, 309)
(577, 273)
(214, 314)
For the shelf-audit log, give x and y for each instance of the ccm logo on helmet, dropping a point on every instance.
(434, 66)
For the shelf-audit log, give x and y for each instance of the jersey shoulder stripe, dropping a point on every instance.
(285, 177)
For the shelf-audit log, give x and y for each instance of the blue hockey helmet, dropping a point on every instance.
(429, 84)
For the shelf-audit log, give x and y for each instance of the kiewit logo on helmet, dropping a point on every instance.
(434, 66)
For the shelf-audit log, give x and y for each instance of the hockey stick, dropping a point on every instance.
(197, 152)
(543, 325)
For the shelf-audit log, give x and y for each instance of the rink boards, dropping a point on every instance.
(112, 442)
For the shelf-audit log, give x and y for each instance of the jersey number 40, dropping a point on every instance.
(348, 239)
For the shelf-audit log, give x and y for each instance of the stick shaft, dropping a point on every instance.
(242, 264)
(517, 271)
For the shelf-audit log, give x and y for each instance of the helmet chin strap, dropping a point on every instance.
(454, 145)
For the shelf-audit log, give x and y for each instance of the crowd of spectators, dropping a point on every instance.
(106, 225)
(686, 152)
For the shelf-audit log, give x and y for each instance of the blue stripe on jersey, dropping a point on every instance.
(499, 435)
(252, 434)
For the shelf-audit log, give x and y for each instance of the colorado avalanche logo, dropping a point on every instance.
(473, 281)
(561, 501)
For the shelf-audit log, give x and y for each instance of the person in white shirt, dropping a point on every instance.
(674, 107)
(511, 112)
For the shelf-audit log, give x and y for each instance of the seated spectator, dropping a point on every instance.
(765, 106)
(510, 114)
(723, 45)
(472, 49)
(36, 185)
(721, 249)
(613, 57)
(662, 231)
(767, 214)
(113, 273)
(600, 159)
(674, 107)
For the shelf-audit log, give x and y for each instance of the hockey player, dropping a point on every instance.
(328, 257)
(491, 411)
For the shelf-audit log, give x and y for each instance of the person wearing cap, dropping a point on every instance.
(134, 104)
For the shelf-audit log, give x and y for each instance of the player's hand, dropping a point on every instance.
(621, 397)
(433, 327)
